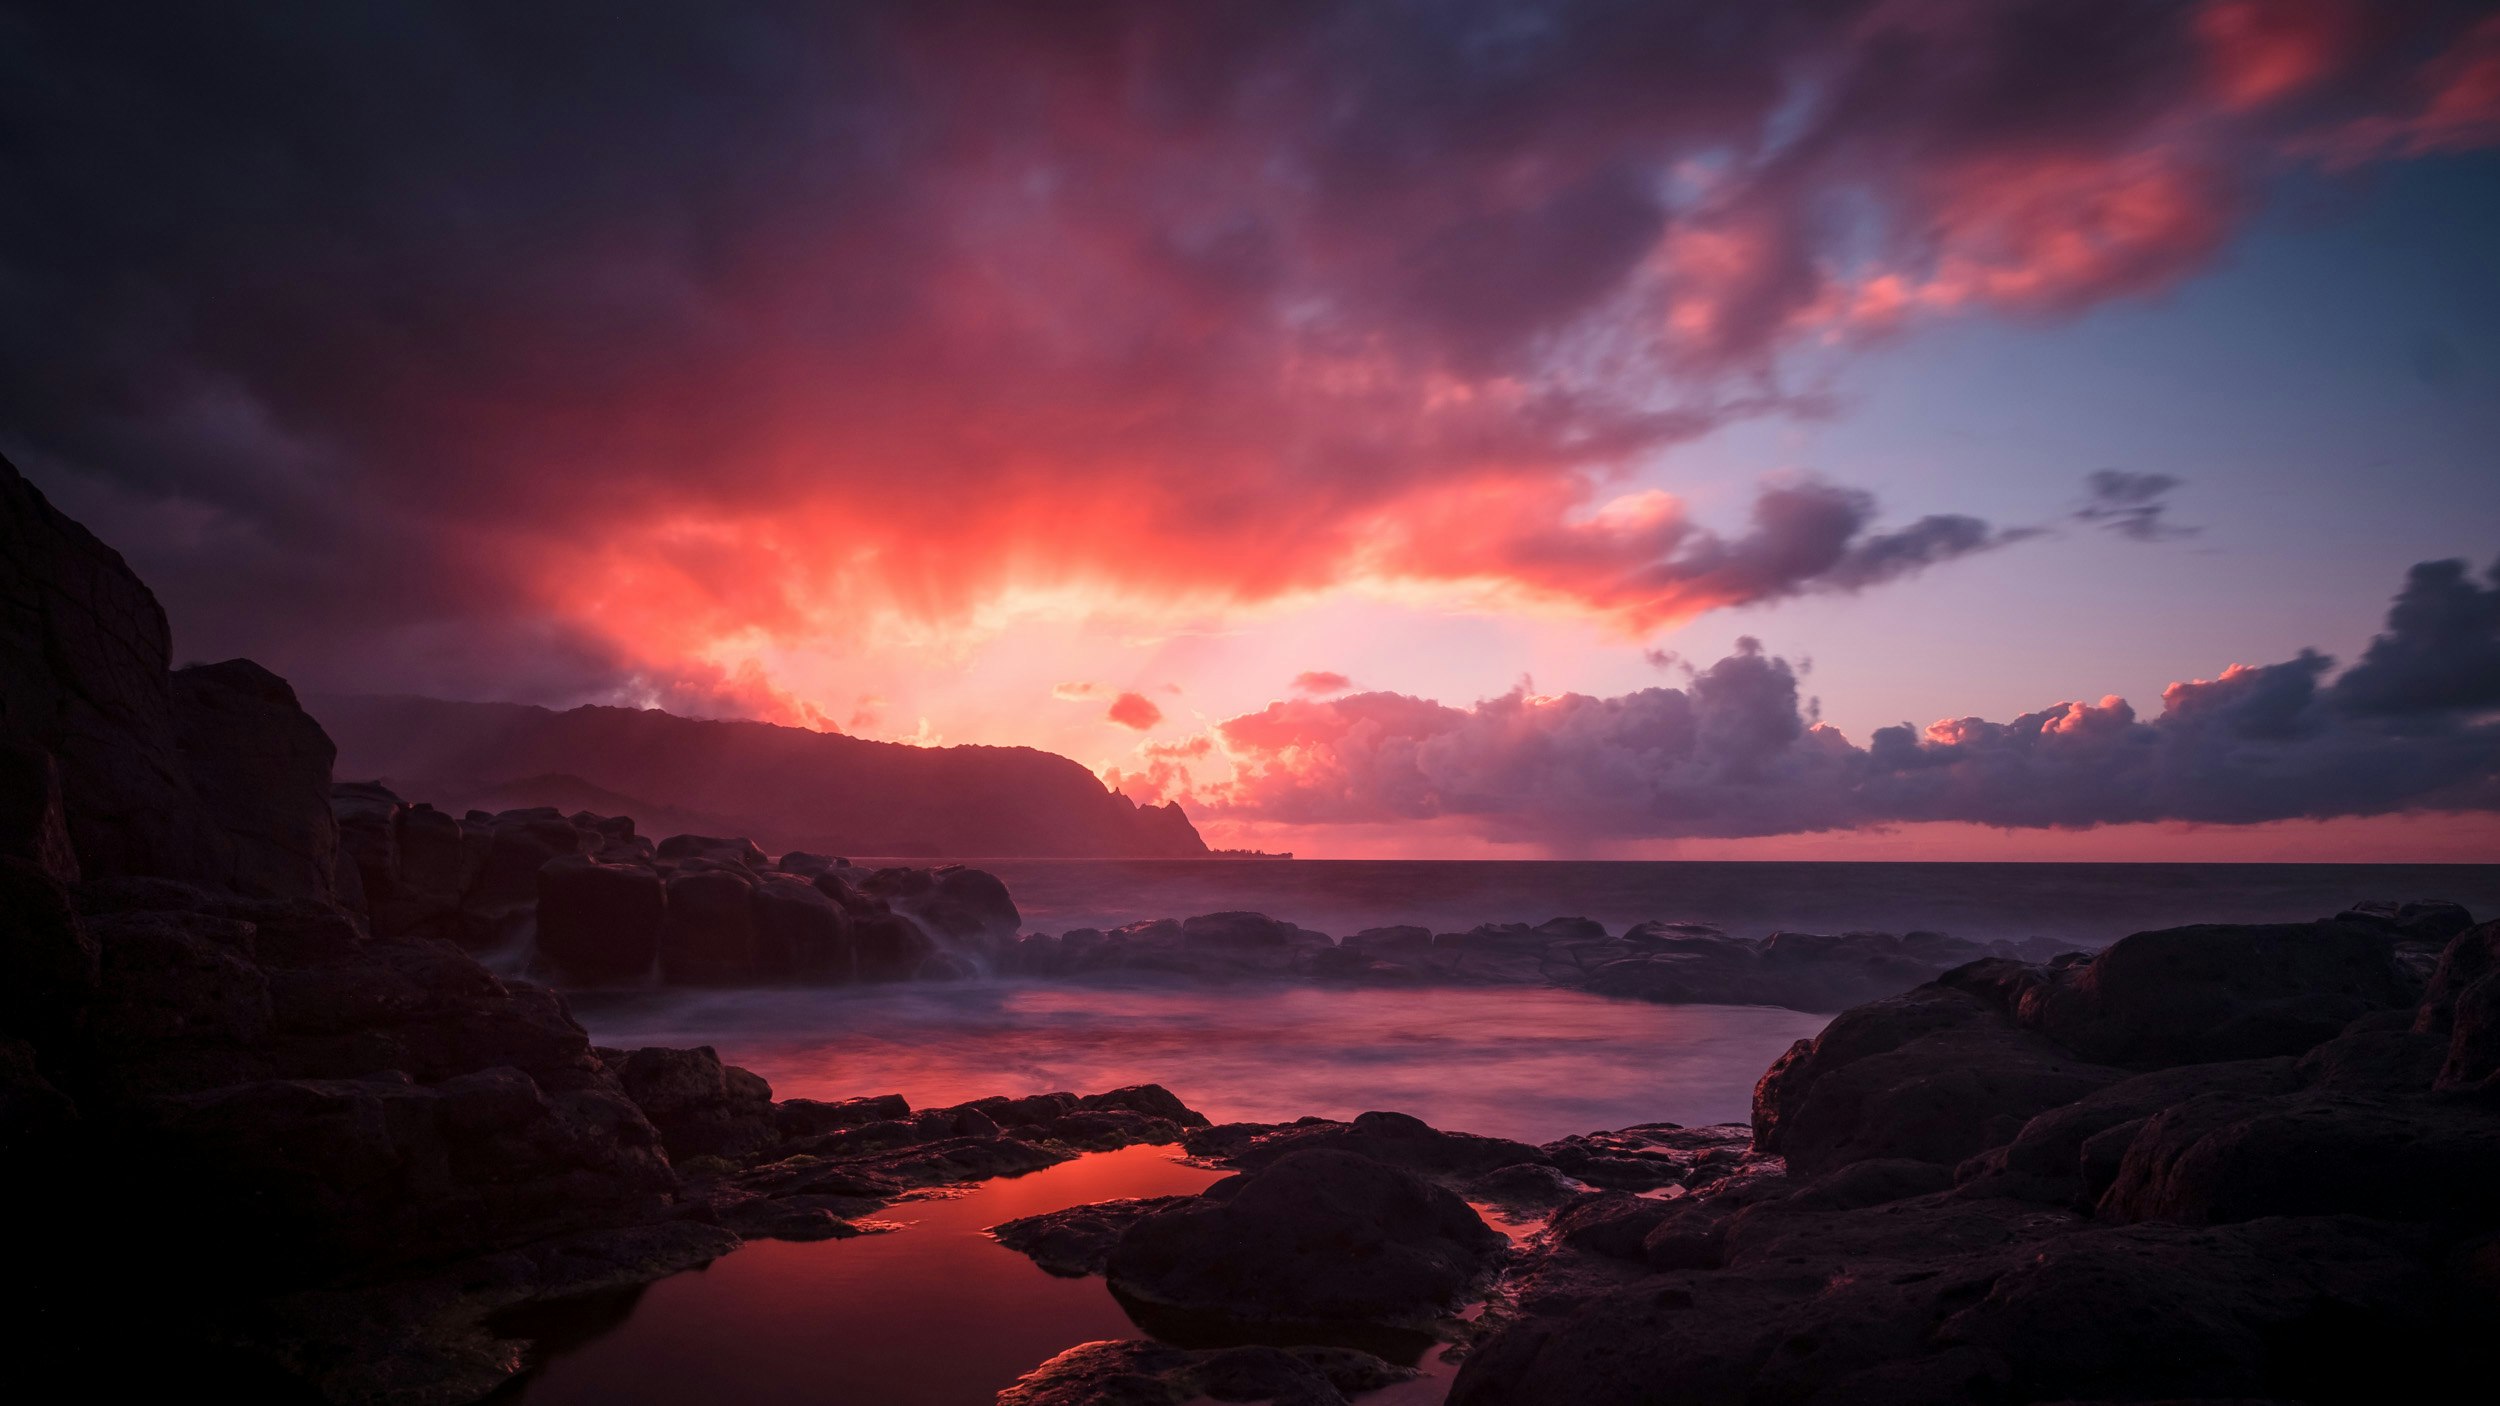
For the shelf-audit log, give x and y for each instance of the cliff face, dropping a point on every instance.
(209, 774)
(786, 788)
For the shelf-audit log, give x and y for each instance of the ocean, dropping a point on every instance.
(2089, 905)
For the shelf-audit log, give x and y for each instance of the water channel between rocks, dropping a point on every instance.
(938, 1314)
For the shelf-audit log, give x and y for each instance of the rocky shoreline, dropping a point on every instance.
(2246, 1163)
(584, 901)
(270, 1125)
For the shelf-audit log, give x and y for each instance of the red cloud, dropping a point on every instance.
(1134, 710)
(596, 379)
(1321, 681)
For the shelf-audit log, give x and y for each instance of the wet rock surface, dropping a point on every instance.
(1316, 1236)
(1153, 1374)
(258, 1095)
(2265, 1204)
(1077, 1241)
(245, 1042)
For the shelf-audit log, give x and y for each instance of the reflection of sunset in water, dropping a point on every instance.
(935, 1313)
(1530, 1063)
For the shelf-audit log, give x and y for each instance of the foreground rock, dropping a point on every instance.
(1317, 1236)
(1152, 1374)
(274, 1133)
(2231, 1163)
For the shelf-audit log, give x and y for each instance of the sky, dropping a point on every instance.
(1823, 428)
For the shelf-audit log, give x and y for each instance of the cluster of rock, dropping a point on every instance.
(1681, 963)
(262, 1107)
(2250, 1162)
(1366, 1232)
(593, 903)
(2242, 1162)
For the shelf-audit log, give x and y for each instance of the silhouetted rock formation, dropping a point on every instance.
(2277, 1185)
(201, 774)
(2210, 1163)
(789, 787)
(1317, 1236)
(609, 907)
(340, 1146)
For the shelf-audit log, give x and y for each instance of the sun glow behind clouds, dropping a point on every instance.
(882, 368)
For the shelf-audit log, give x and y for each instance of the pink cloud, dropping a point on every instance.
(942, 312)
(1733, 754)
(1134, 710)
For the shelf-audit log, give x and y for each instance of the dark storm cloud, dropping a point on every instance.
(2440, 653)
(1732, 753)
(472, 347)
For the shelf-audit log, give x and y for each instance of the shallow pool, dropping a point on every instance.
(938, 1314)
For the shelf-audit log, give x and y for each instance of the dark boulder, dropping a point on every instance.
(888, 947)
(1874, 1182)
(1613, 1223)
(1936, 1075)
(305, 1177)
(1933, 1300)
(807, 1117)
(1395, 1138)
(732, 850)
(799, 932)
(1408, 941)
(2473, 1060)
(2046, 1160)
(707, 937)
(179, 1003)
(1648, 1156)
(2320, 1309)
(2218, 992)
(2429, 920)
(2468, 958)
(2377, 1052)
(413, 864)
(499, 904)
(702, 1107)
(48, 960)
(85, 676)
(34, 827)
(1318, 1236)
(1523, 1189)
(1150, 1100)
(968, 905)
(2221, 1157)
(1237, 931)
(1076, 1242)
(599, 924)
(261, 766)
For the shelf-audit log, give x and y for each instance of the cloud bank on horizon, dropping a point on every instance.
(573, 351)
(2413, 724)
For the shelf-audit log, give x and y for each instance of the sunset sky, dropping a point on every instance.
(1404, 429)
